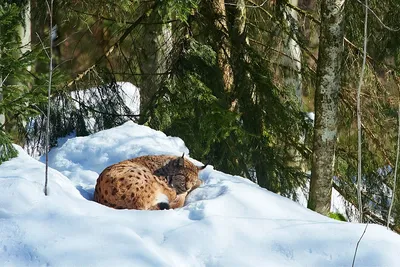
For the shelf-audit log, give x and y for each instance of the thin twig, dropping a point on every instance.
(50, 9)
(124, 22)
(359, 128)
(380, 21)
(358, 243)
(3, 80)
(254, 5)
(44, 47)
(395, 168)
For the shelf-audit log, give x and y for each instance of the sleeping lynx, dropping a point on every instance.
(147, 183)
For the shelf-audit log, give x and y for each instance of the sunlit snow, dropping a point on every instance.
(228, 221)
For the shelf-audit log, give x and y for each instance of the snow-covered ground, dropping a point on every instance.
(228, 221)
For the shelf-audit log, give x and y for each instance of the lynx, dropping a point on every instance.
(147, 183)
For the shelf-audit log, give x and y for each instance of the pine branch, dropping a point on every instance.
(308, 52)
(7, 151)
(114, 46)
(126, 22)
(102, 112)
(368, 131)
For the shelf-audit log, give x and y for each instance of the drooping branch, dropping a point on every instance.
(120, 40)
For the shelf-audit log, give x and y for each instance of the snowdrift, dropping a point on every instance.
(228, 221)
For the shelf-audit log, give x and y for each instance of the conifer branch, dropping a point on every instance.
(379, 20)
(367, 130)
(114, 46)
(126, 22)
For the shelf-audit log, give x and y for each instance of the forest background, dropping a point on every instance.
(237, 80)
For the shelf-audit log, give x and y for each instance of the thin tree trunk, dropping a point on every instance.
(2, 117)
(326, 104)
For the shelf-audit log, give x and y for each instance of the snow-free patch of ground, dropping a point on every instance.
(228, 221)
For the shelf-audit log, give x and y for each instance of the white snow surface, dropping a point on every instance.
(228, 221)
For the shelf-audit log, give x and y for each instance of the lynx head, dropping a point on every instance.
(183, 175)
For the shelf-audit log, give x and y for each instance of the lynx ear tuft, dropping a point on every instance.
(181, 161)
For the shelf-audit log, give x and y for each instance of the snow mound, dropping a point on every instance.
(228, 221)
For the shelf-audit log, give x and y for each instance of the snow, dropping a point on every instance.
(228, 221)
(91, 97)
(130, 96)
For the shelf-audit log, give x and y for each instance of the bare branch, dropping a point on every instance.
(358, 243)
(360, 82)
(50, 55)
(395, 168)
(380, 21)
(44, 47)
(254, 5)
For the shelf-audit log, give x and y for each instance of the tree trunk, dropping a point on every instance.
(223, 45)
(292, 75)
(25, 30)
(326, 104)
(154, 56)
(292, 79)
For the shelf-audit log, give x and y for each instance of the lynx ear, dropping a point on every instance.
(181, 161)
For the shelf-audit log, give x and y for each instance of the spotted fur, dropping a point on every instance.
(147, 183)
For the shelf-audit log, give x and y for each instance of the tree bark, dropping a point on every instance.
(223, 46)
(292, 61)
(154, 56)
(292, 79)
(326, 104)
